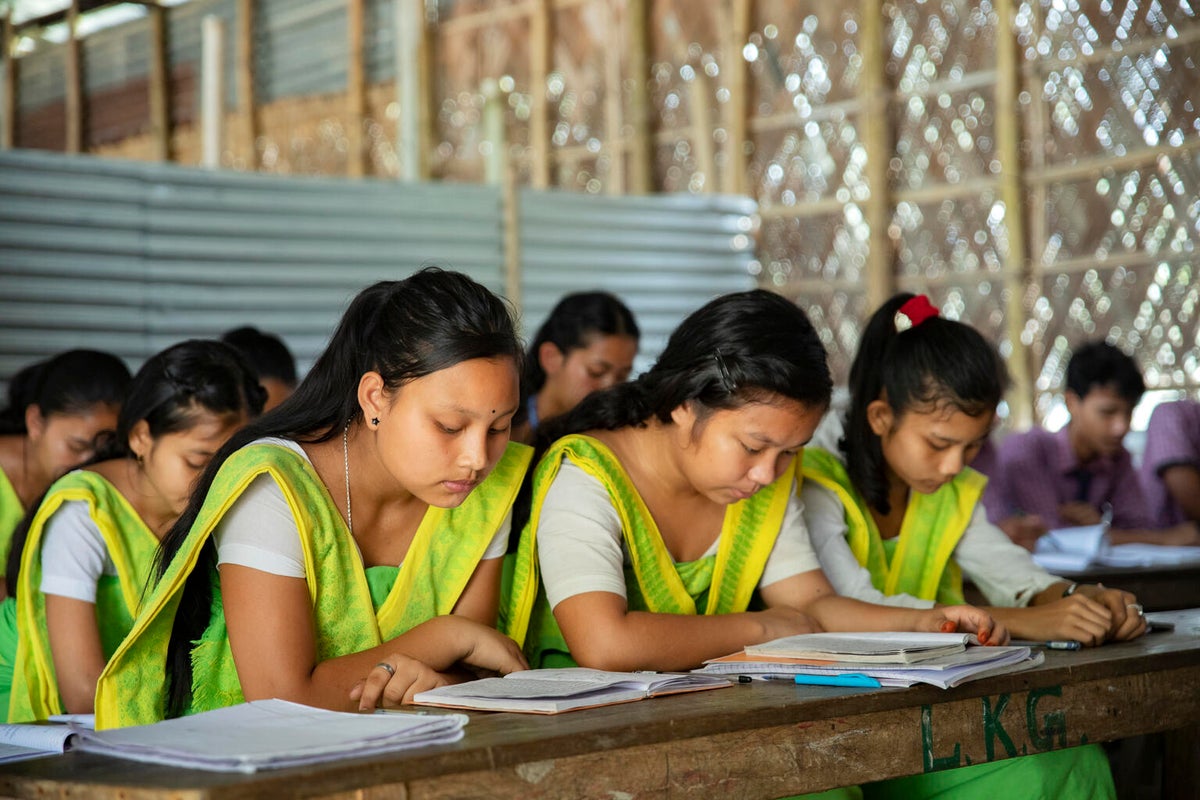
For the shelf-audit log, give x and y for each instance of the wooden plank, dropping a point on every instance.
(356, 90)
(72, 70)
(247, 99)
(159, 85)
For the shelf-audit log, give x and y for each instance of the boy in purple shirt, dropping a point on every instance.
(1171, 463)
(1074, 476)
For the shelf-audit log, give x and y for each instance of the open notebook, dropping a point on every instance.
(865, 648)
(552, 691)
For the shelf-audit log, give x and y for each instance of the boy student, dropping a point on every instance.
(1171, 462)
(1083, 472)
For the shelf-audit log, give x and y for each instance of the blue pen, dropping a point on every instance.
(839, 679)
(1063, 644)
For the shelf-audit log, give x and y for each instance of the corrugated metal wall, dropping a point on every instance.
(131, 257)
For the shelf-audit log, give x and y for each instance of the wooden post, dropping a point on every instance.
(212, 91)
(1016, 264)
(412, 90)
(512, 238)
(741, 14)
(612, 103)
(73, 100)
(8, 104)
(160, 111)
(495, 159)
(356, 91)
(641, 146)
(541, 61)
(881, 274)
(247, 101)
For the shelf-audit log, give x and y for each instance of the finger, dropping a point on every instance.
(373, 688)
(949, 626)
(423, 683)
(356, 691)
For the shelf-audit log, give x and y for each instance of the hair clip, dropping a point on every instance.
(915, 310)
(726, 379)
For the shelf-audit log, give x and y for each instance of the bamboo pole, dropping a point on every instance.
(512, 238)
(356, 90)
(8, 105)
(880, 269)
(412, 75)
(737, 83)
(212, 91)
(247, 100)
(73, 100)
(541, 61)
(159, 88)
(641, 148)
(612, 103)
(495, 160)
(1016, 265)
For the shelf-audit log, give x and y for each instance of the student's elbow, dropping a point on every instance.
(79, 696)
(595, 656)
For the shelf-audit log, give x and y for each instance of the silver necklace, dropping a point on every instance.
(346, 472)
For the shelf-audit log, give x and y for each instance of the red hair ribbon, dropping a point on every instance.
(915, 310)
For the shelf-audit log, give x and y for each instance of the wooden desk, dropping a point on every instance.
(757, 740)
(1157, 588)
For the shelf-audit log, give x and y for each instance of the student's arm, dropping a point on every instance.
(272, 638)
(73, 556)
(1183, 484)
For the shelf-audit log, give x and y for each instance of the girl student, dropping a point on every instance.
(587, 343)
(57, 407)
(664, 523)
(81, 560)
(896, 518)
(344, 551)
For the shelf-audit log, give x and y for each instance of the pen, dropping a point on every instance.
(763, 677)
(842, 679)
(1066, 644)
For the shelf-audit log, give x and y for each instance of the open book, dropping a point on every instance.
(21, 741)
(865, 648)
(268, 734)
(551, 691)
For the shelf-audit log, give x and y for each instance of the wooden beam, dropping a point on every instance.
(413, 74)
(541, 62)
(72, 71)
(212, 91)
(737, 107)
(159, 87)
(873, 91)
(8, 104)
(1016, 263)
(247, 100)
(641, 148)
(356, 90)
(613, 116)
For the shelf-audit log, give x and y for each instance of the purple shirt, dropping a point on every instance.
(1172, 439)
(987, 462)
(1038, 471)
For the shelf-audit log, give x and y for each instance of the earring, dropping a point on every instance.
(374, 422)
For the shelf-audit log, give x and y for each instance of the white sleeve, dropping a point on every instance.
(73, 553)
(1004, 571)
(579, 539)
(826, 519)
(499, 544)
(793, 553)
(259, 531)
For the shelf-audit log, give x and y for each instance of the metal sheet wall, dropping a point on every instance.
(131, 257)
(663, 255)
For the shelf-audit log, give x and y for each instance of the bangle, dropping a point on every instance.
(1070, 590)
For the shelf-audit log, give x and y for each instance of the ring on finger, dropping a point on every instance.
(1137, 609)
(391, 671)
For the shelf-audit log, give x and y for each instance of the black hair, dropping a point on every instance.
(575, 319)
(737, 349)
(404, 330)
(167, 392)
(71, 382)
(1102, 365)
(266, 352)
(939, 363)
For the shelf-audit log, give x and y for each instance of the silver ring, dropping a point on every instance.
(391, 671)
(1137, 607)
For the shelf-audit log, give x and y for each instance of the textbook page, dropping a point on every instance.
(269, 734)
(21, 741)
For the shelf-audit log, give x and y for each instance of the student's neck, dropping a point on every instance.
(1083, 451)
(658, 456)
(547, 406)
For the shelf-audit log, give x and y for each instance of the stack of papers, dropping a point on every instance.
(1077, 549)
(552, 691)
(269, 734)
(21, 741)
(878, 656)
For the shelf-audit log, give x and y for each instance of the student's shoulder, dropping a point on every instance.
(1025, 447)
(1176, 414)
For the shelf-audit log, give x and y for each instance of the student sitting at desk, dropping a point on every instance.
(1171, 462)
(895, 516)
(1074, 476)
(664, 525)
(81, 561)
(344, 551)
